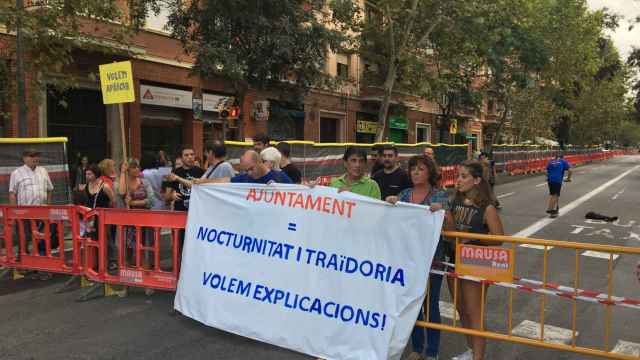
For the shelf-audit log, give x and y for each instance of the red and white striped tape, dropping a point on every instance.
(535, 286)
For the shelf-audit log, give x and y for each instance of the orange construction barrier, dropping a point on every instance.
(139, 237)
(34, 238)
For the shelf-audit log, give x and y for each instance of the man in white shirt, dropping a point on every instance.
(30, 185)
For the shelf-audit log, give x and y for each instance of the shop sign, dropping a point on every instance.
(161, 96)
(367, 127)
(261, 110)
(197, 108)
(116, 82)
(216, 103)
(398, 122)
(475, 127)
(453, 126)
(493, 263)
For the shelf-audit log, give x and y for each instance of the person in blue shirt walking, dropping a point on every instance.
(555, 174)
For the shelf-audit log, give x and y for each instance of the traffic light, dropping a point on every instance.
(230, 112)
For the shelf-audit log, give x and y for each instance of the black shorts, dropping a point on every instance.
(554, 188)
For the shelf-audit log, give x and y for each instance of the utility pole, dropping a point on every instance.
(21, 96)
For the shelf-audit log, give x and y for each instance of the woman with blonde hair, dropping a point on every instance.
(108, 171)
(135, 193)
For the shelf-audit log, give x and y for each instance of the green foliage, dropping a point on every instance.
(55, 31)
(258, 43)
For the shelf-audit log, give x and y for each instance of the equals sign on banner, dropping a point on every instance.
(292, 227)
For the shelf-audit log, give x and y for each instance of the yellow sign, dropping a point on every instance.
(116, 81)
(367, 127)
(488, 262)
(453, 127)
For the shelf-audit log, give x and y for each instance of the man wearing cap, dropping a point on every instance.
(30, 184)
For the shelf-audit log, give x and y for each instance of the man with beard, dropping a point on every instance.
(391, 178)
(181, 180)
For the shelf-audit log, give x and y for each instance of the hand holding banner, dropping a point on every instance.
(338, 276)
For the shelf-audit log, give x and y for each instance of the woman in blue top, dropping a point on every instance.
(426, 191)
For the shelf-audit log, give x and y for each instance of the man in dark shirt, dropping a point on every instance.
(260, 142)
(375, 158)
(286, 165)
(257, 172)
(391, 179)
(181, 180)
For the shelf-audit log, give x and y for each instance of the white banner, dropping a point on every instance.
(333, 275)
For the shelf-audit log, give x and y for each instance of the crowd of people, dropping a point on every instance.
(470, 207)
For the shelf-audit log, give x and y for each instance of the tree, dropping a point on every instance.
(514, 53)
(572, 37)
(532, 114)
(52, 31)
(280, 45)
(395, 43)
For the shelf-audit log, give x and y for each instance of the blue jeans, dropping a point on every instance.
(433, 336)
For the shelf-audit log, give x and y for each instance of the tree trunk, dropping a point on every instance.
(445, 121)
(386, 101)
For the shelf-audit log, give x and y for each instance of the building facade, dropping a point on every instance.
(163, 118)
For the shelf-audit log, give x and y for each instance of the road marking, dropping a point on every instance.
(599, 255)
(618, 194)
(537, 247)
(447, 310)
(552, 334)
(505, 195)
(540, 185)
(540, 224)
(627, 348)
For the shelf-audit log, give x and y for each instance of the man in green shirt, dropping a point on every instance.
(355, 162)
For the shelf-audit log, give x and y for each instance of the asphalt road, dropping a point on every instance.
(37, 323)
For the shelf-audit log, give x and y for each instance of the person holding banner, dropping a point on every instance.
(354, 180)
(425, 191)
(257, 171)
(473, 211)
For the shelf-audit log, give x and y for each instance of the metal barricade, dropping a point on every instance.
(544, 288)
(44, 238)
(138, 238)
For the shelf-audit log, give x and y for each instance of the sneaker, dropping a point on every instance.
(415, 356)
(467, 355)
(549, 211)
(431, 357)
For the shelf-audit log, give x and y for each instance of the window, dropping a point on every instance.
(329, 130)
(491, 106)
(423, 133)
(342, 69)
(158, 22)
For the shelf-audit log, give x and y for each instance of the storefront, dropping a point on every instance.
(162, 113)
(475, 131)
(398, 126)
(80, 116)
(285, 121)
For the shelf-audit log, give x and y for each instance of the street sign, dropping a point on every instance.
(367, 127)
(261, 110)
(116, 81)
(197, 108)
(488, 262)
(453, 126)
